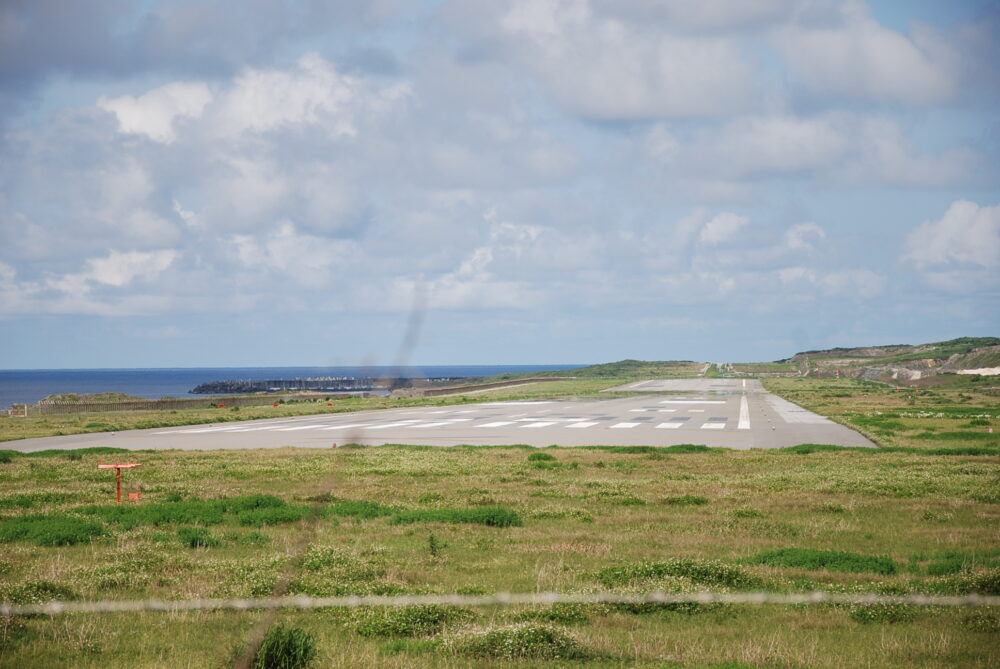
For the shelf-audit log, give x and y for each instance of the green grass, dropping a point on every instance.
(685, 500)
(359, 508)
(933, 515)
(254, 510)
(701, 572)
(493, 516)
(523, 641)
(54, 529)
(285, 647)
(811, 559)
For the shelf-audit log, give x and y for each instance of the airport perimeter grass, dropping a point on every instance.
(954, 416)
(400, 519)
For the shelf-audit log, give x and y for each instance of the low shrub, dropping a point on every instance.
(980, 582)
(808, 558)
(408, 620)
(534, 641)
(285, 648)
(561, 614)
(806, 449)
(685, 500)
(493, 516)
(883, 613)
(947, 566)
(359, 508)
(272, 515)
(746, 512)
(705, 572)
(541, 457)
(982, 620)
(253, 510)
(54, 529)
(36, 592)
(196, 537)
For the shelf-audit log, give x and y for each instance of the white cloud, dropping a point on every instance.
(967, 234)
(312, 92)
(118, 269)
(721, 228)
(799, 237)
(698, 14)
(153, 113)
(837, 147)
(859, 58)
(307, 260)
(604, 68)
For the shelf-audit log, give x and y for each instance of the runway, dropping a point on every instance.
(734, 413)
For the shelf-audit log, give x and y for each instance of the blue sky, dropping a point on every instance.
(282, 183)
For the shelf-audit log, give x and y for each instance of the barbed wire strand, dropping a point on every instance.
(55, 608)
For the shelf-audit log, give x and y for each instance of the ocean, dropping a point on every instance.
(30, 385)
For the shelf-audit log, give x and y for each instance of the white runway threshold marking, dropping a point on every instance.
(342, 427)
(713, 426)
(622, 426)
(539, 424)
(693, 402)
(668, 426)
(744, 423)
(498, 423)
(583, 424)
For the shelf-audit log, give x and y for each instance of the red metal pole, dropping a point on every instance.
(118, 481)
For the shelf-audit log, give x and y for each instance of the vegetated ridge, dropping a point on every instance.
(902, 362)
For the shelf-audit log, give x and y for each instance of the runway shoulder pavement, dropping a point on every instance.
(734, 413)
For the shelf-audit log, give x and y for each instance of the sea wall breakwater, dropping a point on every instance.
(335, 384)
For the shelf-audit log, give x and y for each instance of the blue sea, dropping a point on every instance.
(30, 385)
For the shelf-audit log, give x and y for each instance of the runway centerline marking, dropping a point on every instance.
(744, 423)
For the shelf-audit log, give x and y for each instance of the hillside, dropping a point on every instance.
(902, 362)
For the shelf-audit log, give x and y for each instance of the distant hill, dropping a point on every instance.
(902, 362)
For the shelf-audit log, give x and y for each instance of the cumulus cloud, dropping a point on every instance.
(722, 228)
(601, 67)
(698, 14)
(307, 260)
(859, 58)
(153, 114)
(967, 234)
(832, 146)
(119, 269)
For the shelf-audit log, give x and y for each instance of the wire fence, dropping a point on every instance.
(501, 599)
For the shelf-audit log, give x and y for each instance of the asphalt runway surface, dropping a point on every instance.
(734, 413)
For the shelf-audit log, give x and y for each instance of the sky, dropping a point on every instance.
(269, 182)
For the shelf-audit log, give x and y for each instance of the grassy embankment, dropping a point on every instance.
(955, 416)
(480, 520)
(589, 381)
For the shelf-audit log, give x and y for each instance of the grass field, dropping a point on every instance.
(479, 520)
(960, 415)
